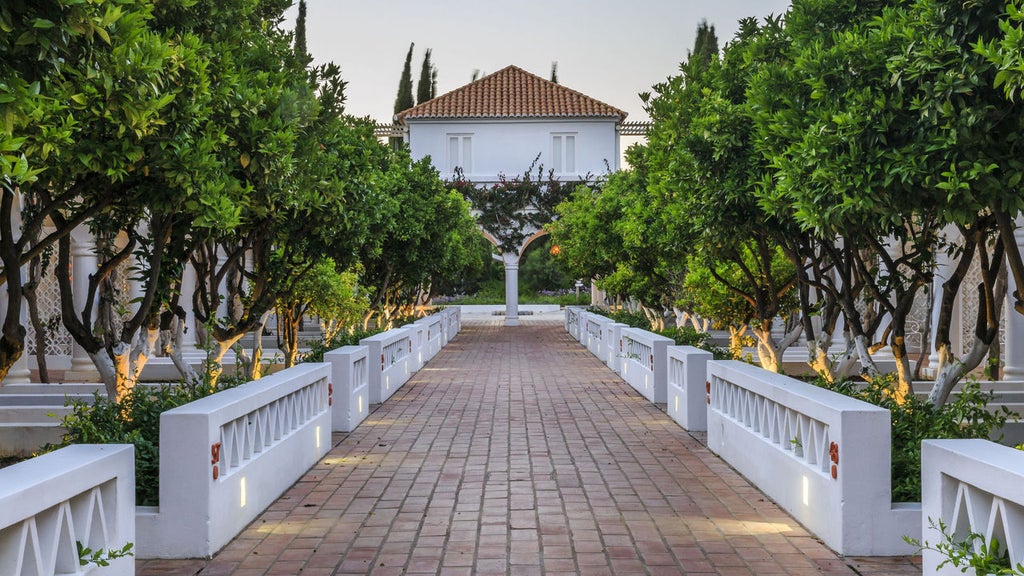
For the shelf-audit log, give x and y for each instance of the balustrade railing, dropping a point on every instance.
(226, 457)
(644, 362)
(350, 386)
(82, 494)
(390, 354)
(824, 457)
(972, 487)
(688, 388)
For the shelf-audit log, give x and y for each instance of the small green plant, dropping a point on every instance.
(689, 336)
(102, 557)
(634, 319)
(972, 551)
(965, 416)
(134, 420)
(317, 348)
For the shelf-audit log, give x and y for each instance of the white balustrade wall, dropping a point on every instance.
(822, 456)
(613, 336)
(971, 486)
(643, 358)
(688, 387)
(451, 319)
(350, 386)
(418, 334)
(226, 457)
(390, 354)
(433, 338)
(572, 321)
(594, 327)
(82, 493)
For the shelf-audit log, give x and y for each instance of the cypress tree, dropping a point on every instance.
(427, 86)
(705, 47)
(301, 53)
(554, 72)
(404, 99)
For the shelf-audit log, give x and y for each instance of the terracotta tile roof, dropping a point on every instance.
(511, 93)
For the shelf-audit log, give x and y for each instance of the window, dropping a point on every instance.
(563, 153)
(460, 152)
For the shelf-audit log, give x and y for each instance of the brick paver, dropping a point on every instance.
(515, 451)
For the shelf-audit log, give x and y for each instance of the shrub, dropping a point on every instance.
(634, 319)
(133, 420)
(689, 336)
(317, 348)
(914, 420)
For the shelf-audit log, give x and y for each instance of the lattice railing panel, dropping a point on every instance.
(58, 339)
(978, 511)
(639, 352)
(361, 373)
(45, 542)
(394, 352)
(804, 437)
(247, 436)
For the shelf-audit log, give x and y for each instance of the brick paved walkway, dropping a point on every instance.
(516, 452)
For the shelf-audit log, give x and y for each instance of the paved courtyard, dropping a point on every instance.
(515, 451)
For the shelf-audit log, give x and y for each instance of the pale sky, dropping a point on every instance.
(610, 50)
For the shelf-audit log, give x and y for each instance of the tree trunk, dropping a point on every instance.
(868, 367)
(173, 332)
(736, 335)
(216, 365)
(256, 368)
(31, 298)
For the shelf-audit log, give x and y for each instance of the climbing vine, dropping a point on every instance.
(512, 209)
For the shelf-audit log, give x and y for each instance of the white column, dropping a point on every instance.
(511, 289)
(19, 372)
(1013, 368)
(83, 264)
(943, 269)
(596, 295)
(188, 289)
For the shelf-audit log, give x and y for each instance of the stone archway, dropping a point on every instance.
(510, 260)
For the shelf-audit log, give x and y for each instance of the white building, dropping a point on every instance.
(501, 123)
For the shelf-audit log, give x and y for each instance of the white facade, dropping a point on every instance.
(485, 148)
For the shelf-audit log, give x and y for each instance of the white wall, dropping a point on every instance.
(509, 145)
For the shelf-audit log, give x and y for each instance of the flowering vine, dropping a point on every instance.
(512, 209)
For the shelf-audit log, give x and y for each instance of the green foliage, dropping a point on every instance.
(334, 297)
(688, 336)
(969, 551)
(540, 270)
(317, 348)
(426, 88)
(685, 336)
(705, 47)
(915, 420)
(301, 52)
(514, 208)
(135, 419)
(404, 101)
(634, 319)
(102, 557)
(424, 232)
